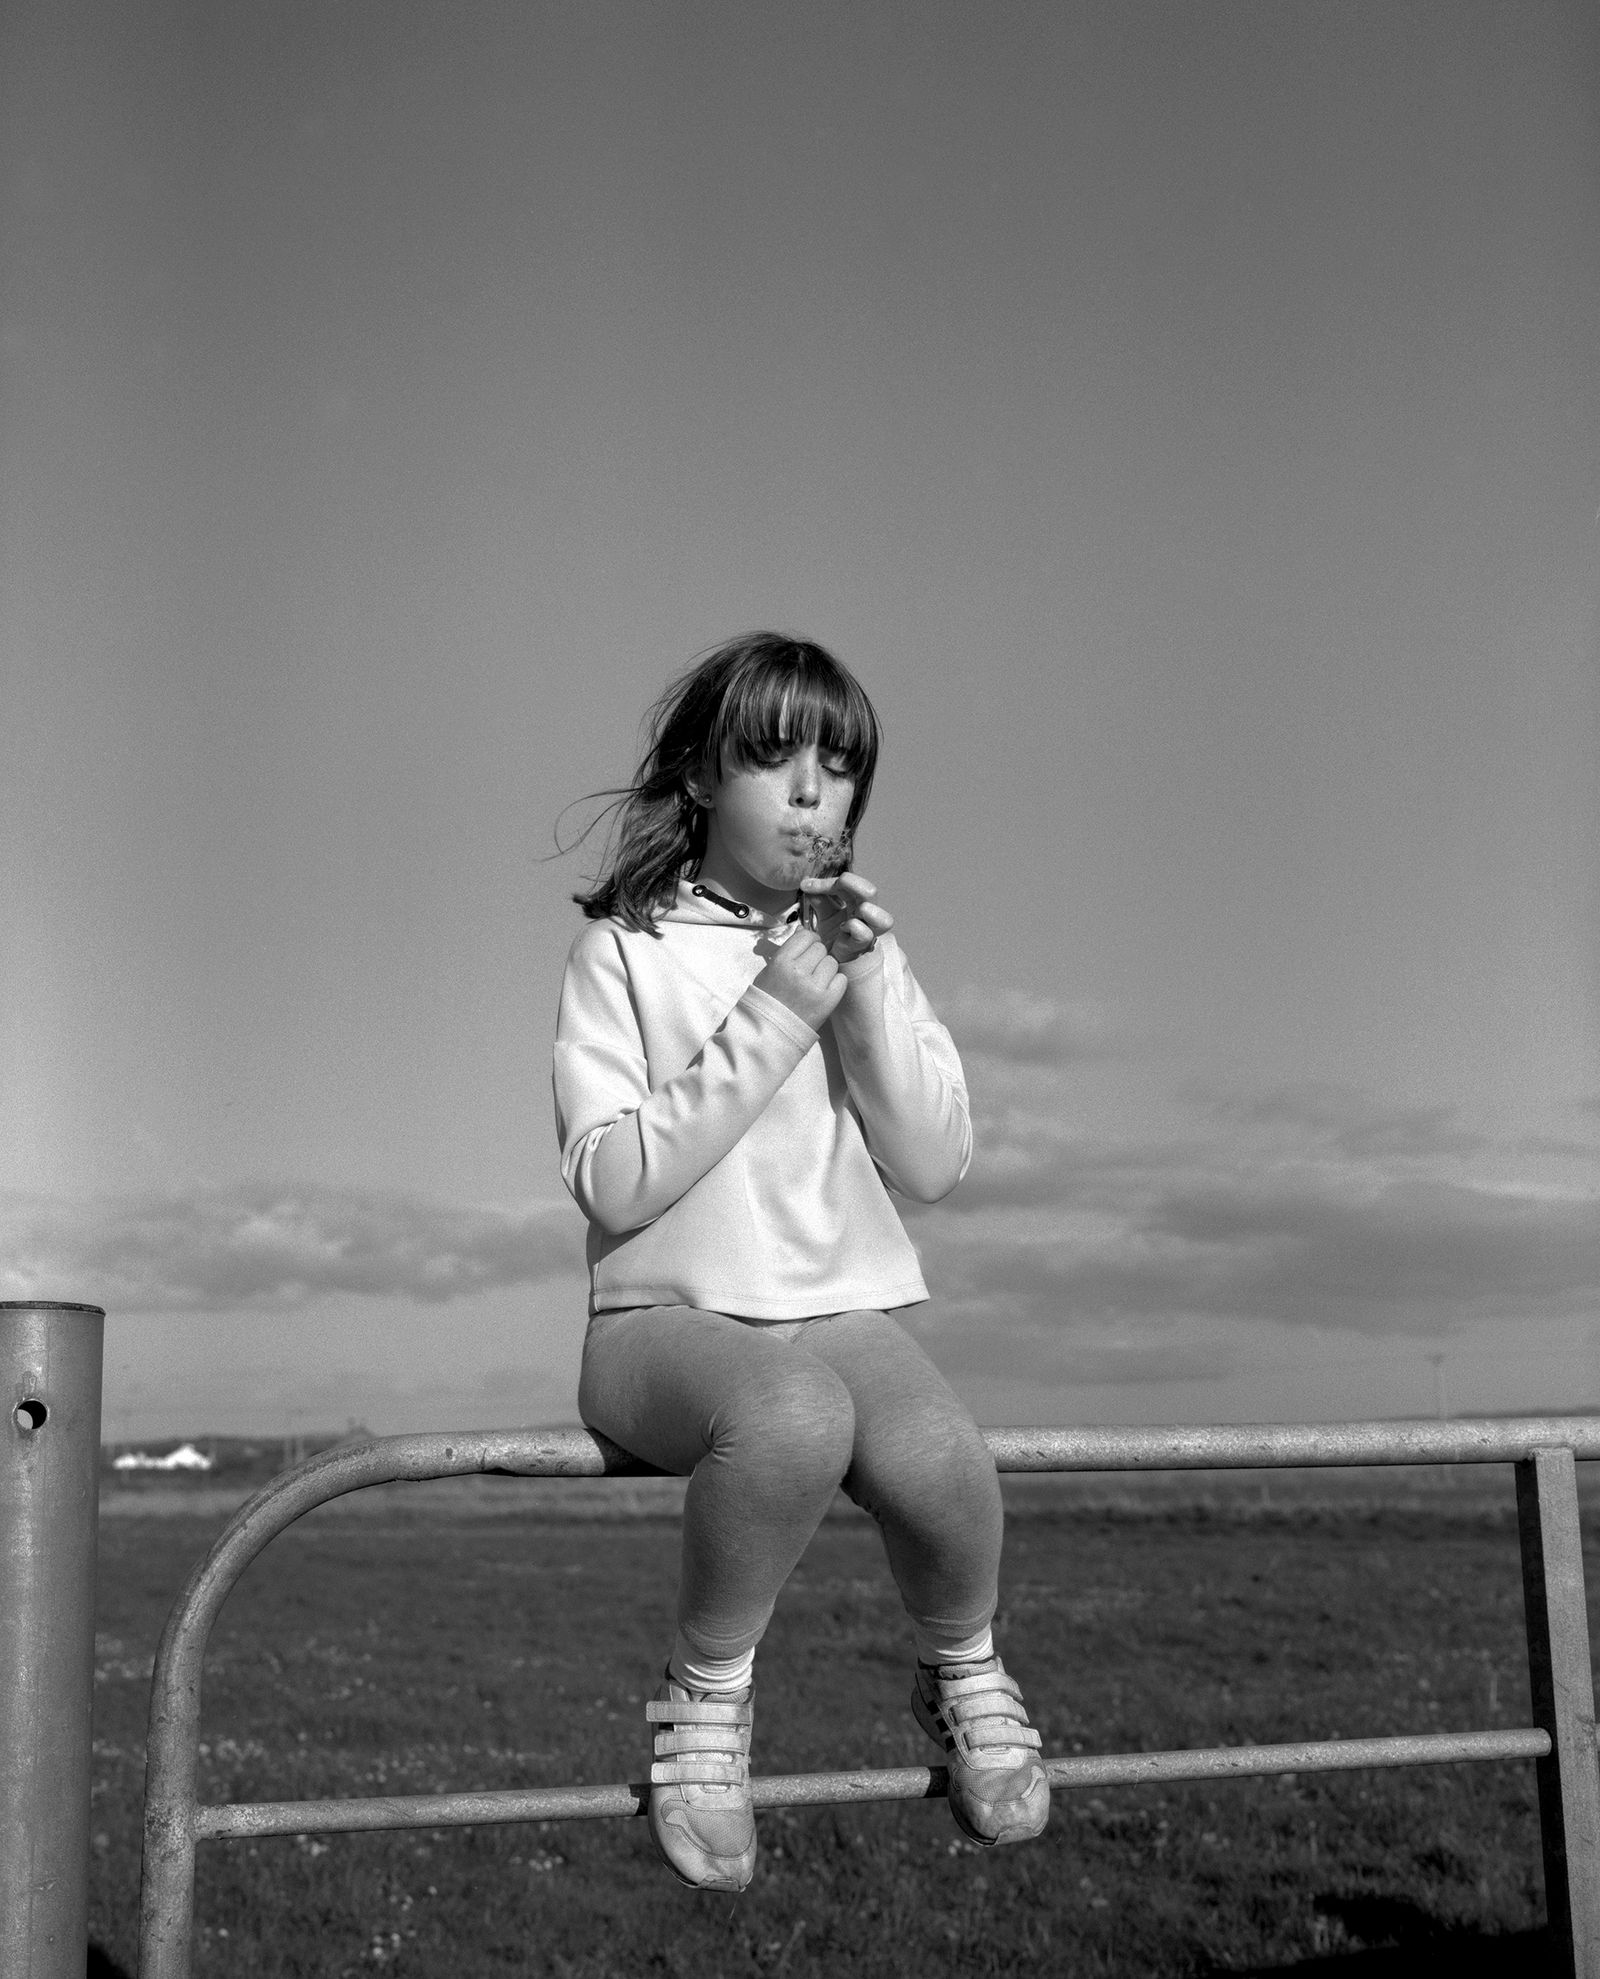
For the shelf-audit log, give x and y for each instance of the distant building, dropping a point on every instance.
(185, 1458)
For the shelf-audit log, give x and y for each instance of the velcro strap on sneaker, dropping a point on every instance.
(996, 1735)
(974, 1710)
(950, 1690)
(701, 1738)
(697, 1772)
(698, 1711)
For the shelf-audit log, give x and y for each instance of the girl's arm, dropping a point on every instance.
(629, 1153)
(904, 1075)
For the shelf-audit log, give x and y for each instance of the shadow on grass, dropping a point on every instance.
(1378, 1937)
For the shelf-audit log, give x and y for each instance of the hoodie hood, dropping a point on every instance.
(708, 907)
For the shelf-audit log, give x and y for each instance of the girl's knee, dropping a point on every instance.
(931, 1468)
(797, 1421)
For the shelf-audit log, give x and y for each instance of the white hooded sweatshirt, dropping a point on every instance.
(725, 1154)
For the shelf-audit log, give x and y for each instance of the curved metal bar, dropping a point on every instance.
(166, 1921)
(173, 1819)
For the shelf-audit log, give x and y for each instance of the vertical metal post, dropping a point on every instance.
(50, 1365)
(1563, 1705)
(171, 1785)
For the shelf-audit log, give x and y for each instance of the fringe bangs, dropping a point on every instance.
(802, 696)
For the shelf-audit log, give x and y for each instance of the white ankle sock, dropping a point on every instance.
(932, 1648)
(700, 1672)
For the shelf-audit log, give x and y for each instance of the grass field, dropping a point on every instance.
(408, 1644)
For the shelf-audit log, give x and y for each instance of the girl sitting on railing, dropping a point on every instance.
(743, 1062)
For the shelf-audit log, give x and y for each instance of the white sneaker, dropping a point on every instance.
(999, 1791)
(702, 1819)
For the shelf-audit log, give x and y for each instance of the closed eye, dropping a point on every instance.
(838, 767)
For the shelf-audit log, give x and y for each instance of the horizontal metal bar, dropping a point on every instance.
(415, 1810)
(1291, 1446)
(431, 1454)
(1348, 1755)
(449, 1810)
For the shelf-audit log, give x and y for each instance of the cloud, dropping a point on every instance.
(1019, 1029)
(1022, 1160)
(1559, 1147)
(1349, 1122)
(1072, 1357)
(1085, 1257)
(1410, 1257)
(1425, 1252)
(260, 1244)
(1307, 1205)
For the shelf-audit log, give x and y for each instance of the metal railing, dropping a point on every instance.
(1561, 1740)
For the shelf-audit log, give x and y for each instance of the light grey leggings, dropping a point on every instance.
(767, 1419)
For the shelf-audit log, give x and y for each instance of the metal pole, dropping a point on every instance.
(50, 1364)
(1563, 1705)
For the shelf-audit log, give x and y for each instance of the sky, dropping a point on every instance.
(1184, 419)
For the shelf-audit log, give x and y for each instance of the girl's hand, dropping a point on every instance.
(849, 921)
(804, 977)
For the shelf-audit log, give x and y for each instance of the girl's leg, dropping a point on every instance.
(921, 1468)
(763, 1433)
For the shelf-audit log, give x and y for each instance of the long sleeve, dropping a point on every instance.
(905, 1079)
(725, 1154)
(629, 1152)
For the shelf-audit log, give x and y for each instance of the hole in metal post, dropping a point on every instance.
(30, 1414)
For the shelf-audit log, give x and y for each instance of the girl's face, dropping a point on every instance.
(764, 817)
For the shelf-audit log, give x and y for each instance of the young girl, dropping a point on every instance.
(744, 1067)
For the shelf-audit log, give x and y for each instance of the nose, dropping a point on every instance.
(806, 777)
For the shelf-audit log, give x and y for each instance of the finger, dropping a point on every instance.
(853, 885)
(829, 918)
(843, 905)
